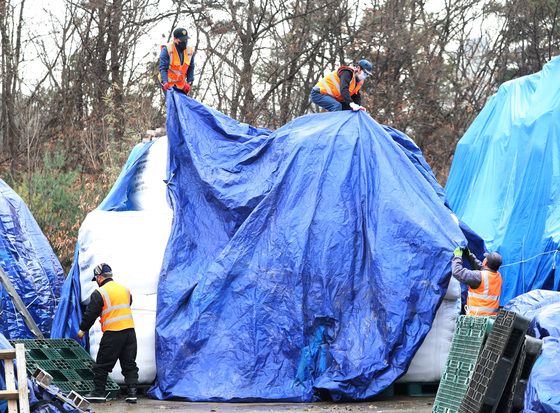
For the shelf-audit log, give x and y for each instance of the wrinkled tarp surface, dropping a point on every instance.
(542, 394)
(528, 304)
(310, 259)
(504, 181)
(31, 265)
(304, 262)
(542, 308)
(4, 345)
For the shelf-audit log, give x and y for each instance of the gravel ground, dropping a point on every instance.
(396, 404)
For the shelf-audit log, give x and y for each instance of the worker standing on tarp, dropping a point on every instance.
(484, 281)
(111, 301)
(176, 63)
(340, 90)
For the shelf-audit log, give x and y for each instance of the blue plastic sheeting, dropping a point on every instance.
(547, 322)
(69, 311)
(4, 345)
(542, 394)
(303, 262)
(504, 181)
(529, 304)
(31, 265)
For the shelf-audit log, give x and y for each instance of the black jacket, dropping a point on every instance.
(94, 308)
(345, 79)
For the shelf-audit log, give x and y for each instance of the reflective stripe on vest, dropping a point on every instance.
(330, 85)
(485, 300)
(116, 314)
(177, 72)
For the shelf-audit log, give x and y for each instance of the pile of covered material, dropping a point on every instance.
(505, 180)
(303, 263)
(31, 267)
(543, 309)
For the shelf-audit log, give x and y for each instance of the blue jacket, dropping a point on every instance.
(164, 65)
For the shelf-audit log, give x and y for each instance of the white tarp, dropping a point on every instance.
(133, 244)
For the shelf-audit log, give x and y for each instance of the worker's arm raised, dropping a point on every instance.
(464, 275)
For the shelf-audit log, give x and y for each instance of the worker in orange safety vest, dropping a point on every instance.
(340, 90)
(111, 302)
(176, 63)
(484, 281)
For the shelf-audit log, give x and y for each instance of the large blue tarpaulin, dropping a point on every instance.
(302, 263)
(31, 266)
(505, 181)
(542, 394)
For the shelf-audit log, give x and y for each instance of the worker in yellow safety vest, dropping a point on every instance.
(340, 90)
(111, 302)
(176, 63)
(484, 281)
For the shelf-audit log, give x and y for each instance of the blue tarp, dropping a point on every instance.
(4, 345)
(505, 182)
(31, 265)
(302, 263)
(306, 261)
(529, 304)
(543, 394)
(541, 307)
(547, 322)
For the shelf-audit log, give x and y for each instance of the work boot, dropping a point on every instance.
(131, 395)
(96, 396)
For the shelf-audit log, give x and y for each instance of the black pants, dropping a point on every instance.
(116, 345)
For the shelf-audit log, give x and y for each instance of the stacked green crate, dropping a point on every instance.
(67, 362)
(466, 345)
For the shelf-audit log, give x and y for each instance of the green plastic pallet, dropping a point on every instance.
(68, 363)
(468, 339)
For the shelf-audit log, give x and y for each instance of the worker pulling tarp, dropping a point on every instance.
(32, 275)
(308, 261)
(504, 180)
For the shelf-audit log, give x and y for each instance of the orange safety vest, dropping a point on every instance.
(485, 300)
(330, 84)
(177, 72)
(116, 314)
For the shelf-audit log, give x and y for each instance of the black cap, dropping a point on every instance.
(102, 269)
(181, 34)
(493, 260)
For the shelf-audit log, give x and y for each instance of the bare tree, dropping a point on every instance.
(11, 21)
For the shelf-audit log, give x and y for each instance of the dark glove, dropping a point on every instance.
(167, 86)
(458, 252)
(187, 88)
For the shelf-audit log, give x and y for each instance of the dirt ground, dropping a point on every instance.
(396, 404)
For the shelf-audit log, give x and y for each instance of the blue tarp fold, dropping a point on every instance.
(504, 181)
(31, 265)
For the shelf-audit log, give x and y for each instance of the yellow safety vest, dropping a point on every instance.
(330, 84)
(485, 300)
(116, 314)
(177, 72)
